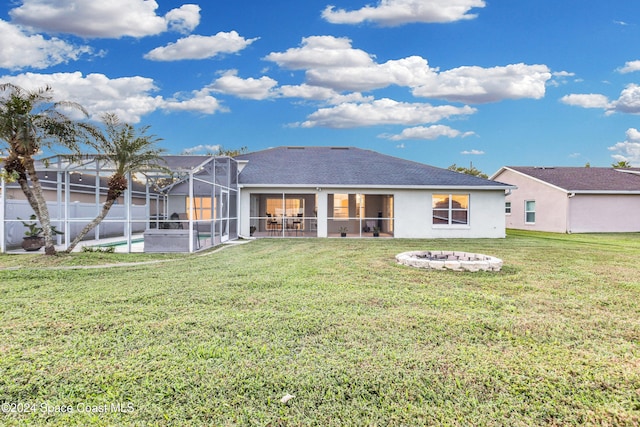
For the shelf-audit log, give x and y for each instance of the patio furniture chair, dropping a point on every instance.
(272, 224)
(174, 218)
(297, 223)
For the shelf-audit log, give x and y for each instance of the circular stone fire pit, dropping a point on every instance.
(450, 260)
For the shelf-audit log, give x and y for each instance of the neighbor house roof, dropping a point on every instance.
(347, 167)
(82, 171)
(583, 179)
(78, 182)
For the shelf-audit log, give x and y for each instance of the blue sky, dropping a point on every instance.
(493, 82)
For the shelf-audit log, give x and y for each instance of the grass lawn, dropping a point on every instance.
(552, 339)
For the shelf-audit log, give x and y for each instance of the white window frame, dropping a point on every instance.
(527, 212)
(507, 208)
(451, 210)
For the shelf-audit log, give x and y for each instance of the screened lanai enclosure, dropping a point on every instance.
(192, 205)
(298, 214)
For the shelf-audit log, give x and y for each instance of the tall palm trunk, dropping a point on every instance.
(103, 213)
(117, 185)
(15, 165)
(42, 211)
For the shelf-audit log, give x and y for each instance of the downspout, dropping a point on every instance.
(147, 201)
(191, 211)
(67, 214)
(568, 220)
(96, 232)
(3, 242)
(59, 210)
(128, 200)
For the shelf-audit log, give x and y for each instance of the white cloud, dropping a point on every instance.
(472, 152)
(480, 85)
(382, 112)
(560, 77)
(316, 93)
(563, 74)
(321, 52)
(629, 67)
(199, 101)
(20, 49)
(398, 12)
(202, 148)
(200, 47)
(104, 19)
(183, 19)
(408, 72)
(250, 88)
(428, 133)
(332, 63)
(628, 102)
(587, 100)
(129, 97)
(629, 150)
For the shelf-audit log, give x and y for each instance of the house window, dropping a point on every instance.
(450, 209)
(202, 208)
(274, 206)
(292, 206)
(360, 205)
(507, 208)
(340, 206)
(530, 212)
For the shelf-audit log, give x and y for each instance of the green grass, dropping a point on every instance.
(552, 339)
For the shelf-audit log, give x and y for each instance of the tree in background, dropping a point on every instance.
(129, 151)
(471, 170)
(231, 152)
(622, 164)
(221, 151)
(29, 122)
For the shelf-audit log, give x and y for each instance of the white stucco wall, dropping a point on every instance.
(414, 217)
(412, 211)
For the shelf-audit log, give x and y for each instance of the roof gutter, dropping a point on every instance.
(572, 193)
(390, 187)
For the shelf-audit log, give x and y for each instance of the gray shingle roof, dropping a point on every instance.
(585, 179)
(346, 166)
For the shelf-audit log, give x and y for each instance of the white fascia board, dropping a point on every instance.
(493, 177)
(385, 187)
(605, 192)
(632, 172)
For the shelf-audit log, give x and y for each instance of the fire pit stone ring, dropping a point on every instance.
(450, 260)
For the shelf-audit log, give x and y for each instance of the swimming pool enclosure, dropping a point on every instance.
(195, 202)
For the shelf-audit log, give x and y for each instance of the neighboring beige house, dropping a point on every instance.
(572, 199)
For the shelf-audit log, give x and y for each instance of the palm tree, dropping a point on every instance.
(622, 164)
(29, 122)
(129, 151)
